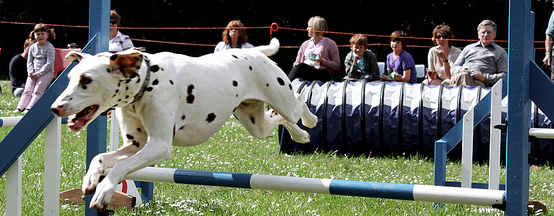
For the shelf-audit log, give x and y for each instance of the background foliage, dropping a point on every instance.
(417, 18)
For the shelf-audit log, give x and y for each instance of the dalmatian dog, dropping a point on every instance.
(167, 99)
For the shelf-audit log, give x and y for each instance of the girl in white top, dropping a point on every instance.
(441, 57)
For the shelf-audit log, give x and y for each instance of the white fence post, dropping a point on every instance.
(467, 148)
(52, 157)
(495, 136)
(13, 188)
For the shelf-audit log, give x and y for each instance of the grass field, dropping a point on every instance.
(234, 150)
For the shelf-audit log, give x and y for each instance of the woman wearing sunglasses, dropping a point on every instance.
(441, 57)
(118, 41)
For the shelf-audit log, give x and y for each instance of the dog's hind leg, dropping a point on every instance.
(260, 123)
(252, 116)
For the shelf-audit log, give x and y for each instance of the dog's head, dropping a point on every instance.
(97, 83)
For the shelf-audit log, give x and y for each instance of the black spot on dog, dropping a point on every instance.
(133, 75)
(113, 57)
(139, 130)
(84, 87)
(235, 83)
(267, 85)
(138, 80)
(149, 89)
(117, 91)
(118, 100)
(250, 67)
(126, 88)
(136, 143)
(171, 81)
(108, 70)
(190, 99)
(210, 118)
(119, 84)
(183, 117)
(115, 94)
(126, 96)
(281, 81)
(129, 136)
(252, 119)
(99, 160)
(128, 81)
(137, 67)
(155, 82)
(235, 56)
(245, 58)
(182, 127)
(237, 95)
(290, 86)
(154, 68)
(70, 98)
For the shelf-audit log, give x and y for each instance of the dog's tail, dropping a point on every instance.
(270, 49)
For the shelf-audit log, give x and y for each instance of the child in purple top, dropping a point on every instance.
(400, 64)
(40, 67)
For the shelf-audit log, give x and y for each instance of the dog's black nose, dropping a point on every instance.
(55, 111)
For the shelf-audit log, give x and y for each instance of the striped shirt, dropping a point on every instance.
(41, 59)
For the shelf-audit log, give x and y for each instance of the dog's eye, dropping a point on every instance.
(85, 80)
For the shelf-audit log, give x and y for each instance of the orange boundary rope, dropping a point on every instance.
(273, 28)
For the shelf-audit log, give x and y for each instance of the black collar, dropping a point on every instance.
(146, 81)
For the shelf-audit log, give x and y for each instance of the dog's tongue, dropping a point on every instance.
(76, 124)
(82, 118)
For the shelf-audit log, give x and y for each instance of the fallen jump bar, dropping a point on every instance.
(430, 193)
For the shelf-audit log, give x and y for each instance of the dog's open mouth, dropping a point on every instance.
(82, 118)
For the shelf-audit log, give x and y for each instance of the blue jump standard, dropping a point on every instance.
(442, 194)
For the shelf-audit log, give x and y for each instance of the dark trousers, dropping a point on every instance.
(307, 72)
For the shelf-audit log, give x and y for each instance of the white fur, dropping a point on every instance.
(187, 101)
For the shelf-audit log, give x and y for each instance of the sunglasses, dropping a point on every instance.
(113, 22)
(442, 37)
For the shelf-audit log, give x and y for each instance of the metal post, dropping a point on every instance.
(517, 135)
(99, 19)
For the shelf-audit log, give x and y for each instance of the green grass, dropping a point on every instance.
(233, 150)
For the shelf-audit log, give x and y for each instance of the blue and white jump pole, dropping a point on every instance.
(428, 193)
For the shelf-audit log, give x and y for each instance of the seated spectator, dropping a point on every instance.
(40, 67)
(18, 69)
(118, 41)
(481, 63)
(441, 57)
(318, 57)
(361, 63)
(234, 36)
(400, 64)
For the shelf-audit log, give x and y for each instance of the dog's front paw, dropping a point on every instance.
(90, 180)
(103, 195)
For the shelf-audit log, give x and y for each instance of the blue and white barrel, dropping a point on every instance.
(369, 118)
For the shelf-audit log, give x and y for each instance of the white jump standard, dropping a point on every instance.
(429, 193)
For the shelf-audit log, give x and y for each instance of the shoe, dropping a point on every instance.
(25, 111)
(17, 111)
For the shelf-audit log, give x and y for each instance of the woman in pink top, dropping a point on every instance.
(318, 57)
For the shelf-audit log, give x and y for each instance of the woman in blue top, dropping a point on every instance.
(400, 64)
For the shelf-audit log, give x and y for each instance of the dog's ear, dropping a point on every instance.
(128, 64)
(74, 56)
